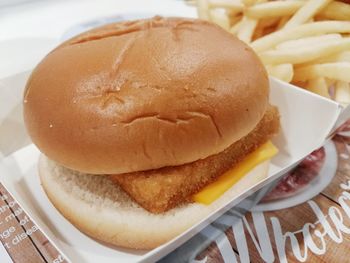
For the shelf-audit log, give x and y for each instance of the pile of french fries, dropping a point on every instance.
(305, 42)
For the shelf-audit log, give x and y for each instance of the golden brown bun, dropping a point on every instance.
(105, 212)
(142, 95)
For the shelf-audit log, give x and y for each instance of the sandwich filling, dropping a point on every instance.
(162, 189)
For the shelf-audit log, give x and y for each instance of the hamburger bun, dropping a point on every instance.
(141, 95)
(105, 212)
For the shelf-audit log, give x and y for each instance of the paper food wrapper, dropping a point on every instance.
(306, 119)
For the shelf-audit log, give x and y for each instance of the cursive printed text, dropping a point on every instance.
(328, 224)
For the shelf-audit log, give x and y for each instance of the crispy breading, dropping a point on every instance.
(162, 189)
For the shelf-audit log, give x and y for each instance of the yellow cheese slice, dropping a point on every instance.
(214, 190)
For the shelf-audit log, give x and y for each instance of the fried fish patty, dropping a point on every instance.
(162, 189)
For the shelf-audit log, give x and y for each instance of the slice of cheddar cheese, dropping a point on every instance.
(214, 190)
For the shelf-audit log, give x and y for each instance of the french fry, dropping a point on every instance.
(313, 29)
(306, 12)
(318, 86)
(305, 54)
(336, 11)
(292, 40)
(203, 9)
(283, 71)
(342, 92)
(235, 5)
(308, 41)
(234, 29)
(274, 9)
(248, 2)
(337, 71)
(219, 16)
(338, 57)
(246, 29)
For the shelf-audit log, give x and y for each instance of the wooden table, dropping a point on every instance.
(22, 240)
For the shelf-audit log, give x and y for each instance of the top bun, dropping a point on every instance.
(145, 94)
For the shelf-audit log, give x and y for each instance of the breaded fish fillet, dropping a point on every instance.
(162, 189)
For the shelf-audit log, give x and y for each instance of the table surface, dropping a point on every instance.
(21, 239)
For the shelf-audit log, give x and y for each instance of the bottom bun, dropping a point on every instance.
(102, 210)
